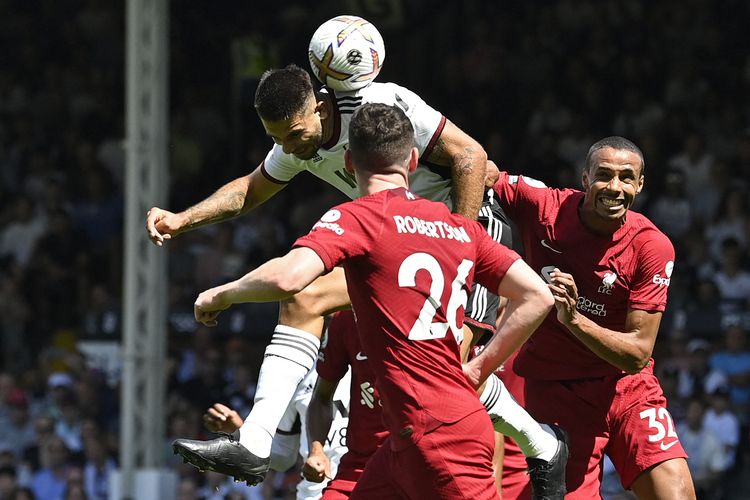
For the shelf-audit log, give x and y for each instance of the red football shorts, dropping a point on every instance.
(624, 416)
(453, 461)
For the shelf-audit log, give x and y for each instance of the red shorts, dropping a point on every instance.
(624, 416)
(453, 461)
(338, 489)
(349, 471)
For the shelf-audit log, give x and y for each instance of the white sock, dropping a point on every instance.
(288, 358)
(508, 417)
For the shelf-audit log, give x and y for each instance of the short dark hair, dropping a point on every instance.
(614, 142)
(283, 93)
(380, 136)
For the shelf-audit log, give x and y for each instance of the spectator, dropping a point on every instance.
(18, 433)
(50, 481)
(734, 362)
(723, 423)
(731, 279)
(706, 457)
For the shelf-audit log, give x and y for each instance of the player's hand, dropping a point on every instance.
(208, 305)
(472, 374)
(491, 174)
(162, 225)
(564, 290)
(317, 467)
(220, 418)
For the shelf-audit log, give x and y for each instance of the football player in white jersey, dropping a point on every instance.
(290, 441)
(309, 129)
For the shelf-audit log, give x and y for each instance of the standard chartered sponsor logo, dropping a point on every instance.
(591, 307)
(433, 229)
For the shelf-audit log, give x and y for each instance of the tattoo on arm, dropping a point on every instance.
(223, 204)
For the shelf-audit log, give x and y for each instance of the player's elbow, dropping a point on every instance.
(636, 363)
(292, 281)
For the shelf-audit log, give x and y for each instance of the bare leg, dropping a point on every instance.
(290, 355)
(669, 480)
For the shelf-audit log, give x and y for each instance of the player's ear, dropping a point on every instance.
(321, 108)
(585, 180)
(641, 181)
(348, 162)
(413, 159)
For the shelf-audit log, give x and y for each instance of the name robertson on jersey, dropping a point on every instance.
(433, 229)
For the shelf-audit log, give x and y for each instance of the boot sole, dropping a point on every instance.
(203, 464)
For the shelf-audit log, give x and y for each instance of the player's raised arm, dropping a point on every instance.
(468, 163)
(235, 198)
(277, 279)
(319, 418)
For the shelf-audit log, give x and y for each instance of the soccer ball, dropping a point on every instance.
(346, 53)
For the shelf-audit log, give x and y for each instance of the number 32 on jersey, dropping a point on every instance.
(424, 328)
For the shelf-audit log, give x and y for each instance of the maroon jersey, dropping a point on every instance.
(409, 266)
(341, 349)
(629, 269)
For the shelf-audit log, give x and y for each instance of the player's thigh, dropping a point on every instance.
(323, 296)
(376, 481)
(669, 480)
(642, 434)
(579, 407)
(452, 462)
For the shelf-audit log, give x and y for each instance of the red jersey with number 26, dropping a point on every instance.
(409, 265)
(629, 269)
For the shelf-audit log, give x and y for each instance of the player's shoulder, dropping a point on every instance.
(646, 235)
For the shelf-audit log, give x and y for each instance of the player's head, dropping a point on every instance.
(291, 114)
(381, 140)
(612, 178)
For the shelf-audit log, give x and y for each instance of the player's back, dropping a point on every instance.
(409, 292)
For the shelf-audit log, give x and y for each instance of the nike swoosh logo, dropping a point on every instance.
(548, 247)
(360, 356)
(665, 447)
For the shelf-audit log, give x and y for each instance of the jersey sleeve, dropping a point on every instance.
(280, 168)
(333, 359)
(653, 272)
(520, 196)
(347, 231)
(492, 260)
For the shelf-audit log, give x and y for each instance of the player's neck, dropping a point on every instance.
(371, 184)
(597, 225)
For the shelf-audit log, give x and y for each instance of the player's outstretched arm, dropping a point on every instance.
(629, 351)
(320, 412)
(232, 199)
(468, 163)
(529, 301)
(277, 279)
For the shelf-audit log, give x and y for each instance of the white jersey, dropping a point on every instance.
(328, 163)
(293, 430)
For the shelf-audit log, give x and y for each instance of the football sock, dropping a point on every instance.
(508, 417)
(288, 358)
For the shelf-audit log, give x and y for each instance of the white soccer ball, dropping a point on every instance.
(346, 53)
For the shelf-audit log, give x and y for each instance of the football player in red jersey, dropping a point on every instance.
(589, 367)
(409, 264)
(365, 432)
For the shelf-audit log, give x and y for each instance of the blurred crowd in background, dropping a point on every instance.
(535, 82)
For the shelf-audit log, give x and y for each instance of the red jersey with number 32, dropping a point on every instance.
(409, 267)
(629, 269)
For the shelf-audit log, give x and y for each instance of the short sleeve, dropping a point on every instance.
(653, 273)
(279, 167)
(344, 232)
